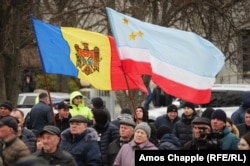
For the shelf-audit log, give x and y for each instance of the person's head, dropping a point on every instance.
(39, 143)
(63, 110)
(188, 109)
(172, 112)
(50, 138)
(244, 143)
(125, 114)
(8, 127)
(100, 117)
(142, 133)
(44, 97)
(97, 102)
(229, 123)
(78, 124)
(141, 114)
(5, 108)
(201, 127)
(246, 100)
(247, 117)
(162, 130)
(207, 112)
(76, 98)
(218, 120)
(19, 115)
(126, 128)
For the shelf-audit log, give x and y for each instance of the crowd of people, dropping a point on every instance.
(80, 135)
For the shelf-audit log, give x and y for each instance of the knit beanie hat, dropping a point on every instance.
(189, 105)
(207, 113)
(172, 108)
(7, 104)
(219, 114)
(144, 126)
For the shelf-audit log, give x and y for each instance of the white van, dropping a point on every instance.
(224, 96)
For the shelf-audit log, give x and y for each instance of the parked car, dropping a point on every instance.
(224, 96)
(27, 100)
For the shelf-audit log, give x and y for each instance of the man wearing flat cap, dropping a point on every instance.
(5, 108)
(81, 142)
(126, 132)
(50, 138)
(218, 123)
(201, 136)
(12, 143)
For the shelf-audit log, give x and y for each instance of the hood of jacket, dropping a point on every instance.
(73, 95)
(246, 99)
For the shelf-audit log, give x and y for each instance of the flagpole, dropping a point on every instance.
(51, 104)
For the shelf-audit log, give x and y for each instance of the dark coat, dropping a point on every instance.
(84, 147)
(29, 138)
(60, 157)
(169, 142)
(62, 124)
(243, 129)
(113, 150)
(40, 116)
(107, 134)
(183, 129)
(164, 120)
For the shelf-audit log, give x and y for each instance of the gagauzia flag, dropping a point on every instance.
(182, 63)
(83, 54)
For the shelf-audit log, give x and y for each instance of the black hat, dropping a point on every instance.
(201, 120)
(78, 118)
(7, 104)
(129, 122)
(52, 130)
(63, 105)
(219, 114)
(189, 105)
(9, 121)
(172, 108)
(162, 130)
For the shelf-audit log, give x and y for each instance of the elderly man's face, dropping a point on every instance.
(200, 128)
(126, 131)
(49, 142)
(5, 132)
(77, 127)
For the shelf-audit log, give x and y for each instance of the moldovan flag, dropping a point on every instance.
(182, 63)
(87, 55)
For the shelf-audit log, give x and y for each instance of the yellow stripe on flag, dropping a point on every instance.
(93, 66)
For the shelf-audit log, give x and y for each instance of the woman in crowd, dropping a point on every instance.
(244, 143)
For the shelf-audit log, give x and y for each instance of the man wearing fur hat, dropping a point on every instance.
(140, 141)
(218, 123)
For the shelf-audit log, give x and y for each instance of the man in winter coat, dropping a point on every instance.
(126, 155)
(81, 142)
(126, 132)
(50, 137)
(218, 123)
(238, 116)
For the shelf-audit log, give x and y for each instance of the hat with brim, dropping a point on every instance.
(51, 130)
(128, 122)
(78, 118)
(64, 105)
(9, 121)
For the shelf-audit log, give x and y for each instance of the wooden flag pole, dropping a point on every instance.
(50, 101)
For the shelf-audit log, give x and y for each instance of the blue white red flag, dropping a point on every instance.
(182, 63)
